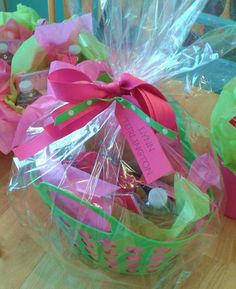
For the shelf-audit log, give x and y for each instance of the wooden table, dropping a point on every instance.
(25, 265)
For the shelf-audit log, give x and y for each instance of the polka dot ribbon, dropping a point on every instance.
(67, 115)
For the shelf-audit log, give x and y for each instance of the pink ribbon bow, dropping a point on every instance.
(73, 86)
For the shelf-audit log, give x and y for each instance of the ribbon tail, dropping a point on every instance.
(33, 146)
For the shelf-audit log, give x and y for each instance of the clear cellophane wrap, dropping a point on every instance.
(126, 188)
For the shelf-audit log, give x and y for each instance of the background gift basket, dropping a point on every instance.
(15, 28)
(71, 41)
(114, 177)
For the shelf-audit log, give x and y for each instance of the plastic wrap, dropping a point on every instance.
(122, 183)
(218, 15)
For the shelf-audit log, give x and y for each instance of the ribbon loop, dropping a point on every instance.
(73, 86)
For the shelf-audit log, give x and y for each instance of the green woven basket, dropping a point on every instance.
(119, 250)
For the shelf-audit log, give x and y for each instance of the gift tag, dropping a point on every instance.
(145, 145)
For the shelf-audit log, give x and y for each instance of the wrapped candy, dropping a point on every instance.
(127, 191)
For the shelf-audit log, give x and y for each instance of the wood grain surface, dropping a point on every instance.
(25, 265)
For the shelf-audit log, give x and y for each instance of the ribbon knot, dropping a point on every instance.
(113, 89)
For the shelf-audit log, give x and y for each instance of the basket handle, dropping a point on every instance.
(44, 189)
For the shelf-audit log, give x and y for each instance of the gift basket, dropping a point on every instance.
(71, 41)
(49, 42)
(15, 28)
(114, 177)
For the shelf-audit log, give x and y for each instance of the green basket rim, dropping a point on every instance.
(112, 220)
